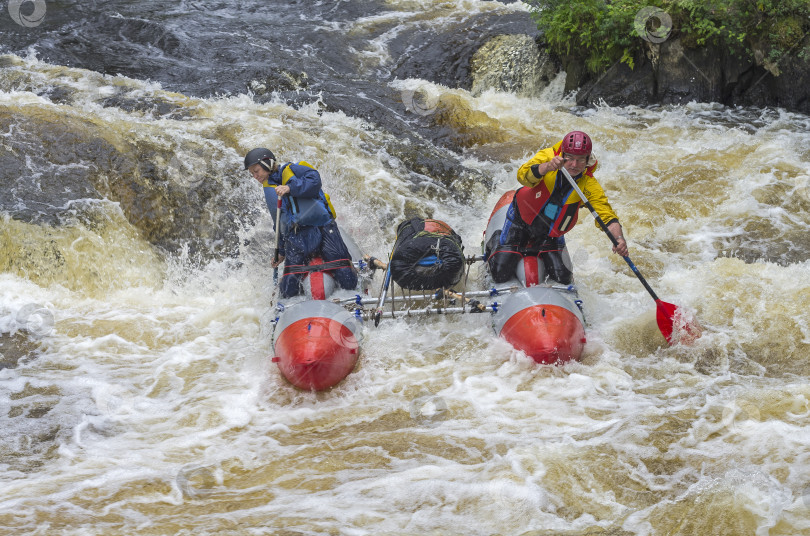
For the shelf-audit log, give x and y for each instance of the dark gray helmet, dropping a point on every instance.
(262, 156)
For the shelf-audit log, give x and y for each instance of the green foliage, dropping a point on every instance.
(602, 32)
(593, 30)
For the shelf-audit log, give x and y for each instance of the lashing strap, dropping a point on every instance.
(325, 267)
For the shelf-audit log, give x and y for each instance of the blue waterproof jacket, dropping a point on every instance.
(303, 211)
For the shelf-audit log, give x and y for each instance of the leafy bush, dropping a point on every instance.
(602, 32)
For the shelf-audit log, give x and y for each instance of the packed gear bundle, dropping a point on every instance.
(428, 254)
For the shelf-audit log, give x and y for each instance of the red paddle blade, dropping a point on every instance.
(676, 325)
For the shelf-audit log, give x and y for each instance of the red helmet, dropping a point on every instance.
(577, 142)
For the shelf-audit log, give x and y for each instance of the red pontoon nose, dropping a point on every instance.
(317, 345)
(546, 333)
(539, 321)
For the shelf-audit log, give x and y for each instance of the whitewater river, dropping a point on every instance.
(136, 392)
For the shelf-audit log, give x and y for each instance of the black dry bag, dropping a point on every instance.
(428, 255)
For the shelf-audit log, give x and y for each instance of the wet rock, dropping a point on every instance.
(155, 106)
(464, 126)
(413, 209)
(666, 73)
(436, 172)
(782, 82)
(424, 145)
(36, 165)
(672, 73)
(620, 84)
(173, 193)
(512, 63)
(446, 57)
(279, 80)
(15, 348)
(685, 77)
(33, 430)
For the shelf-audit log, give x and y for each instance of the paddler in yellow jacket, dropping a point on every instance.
(546, 208)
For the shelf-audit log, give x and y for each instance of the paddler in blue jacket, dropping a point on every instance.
(308, 227)
(546, 208)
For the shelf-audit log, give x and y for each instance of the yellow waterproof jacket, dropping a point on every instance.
(587, 183)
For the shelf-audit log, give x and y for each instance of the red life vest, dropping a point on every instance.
(532, 202)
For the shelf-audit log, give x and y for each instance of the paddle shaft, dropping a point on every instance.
(604, 227)
(278, 234)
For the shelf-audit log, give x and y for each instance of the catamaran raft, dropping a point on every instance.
(317, 336)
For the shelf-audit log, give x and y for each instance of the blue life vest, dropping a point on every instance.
(306, 211)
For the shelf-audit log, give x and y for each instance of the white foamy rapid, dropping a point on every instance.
(141, 399)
